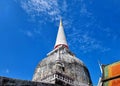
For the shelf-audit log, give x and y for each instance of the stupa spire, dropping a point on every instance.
(61, 39)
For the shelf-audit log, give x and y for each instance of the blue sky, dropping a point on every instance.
(28, 30)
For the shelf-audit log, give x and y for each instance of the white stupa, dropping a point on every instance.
(61, 67)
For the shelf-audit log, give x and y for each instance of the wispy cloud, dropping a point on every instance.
(48, 8)
(31, 33)
(86, 43)
(27, 33)
(7, 71)
(52, 10)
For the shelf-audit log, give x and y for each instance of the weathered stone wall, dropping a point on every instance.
(4, 81)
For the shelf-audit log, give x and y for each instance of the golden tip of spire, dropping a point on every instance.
(60, 21)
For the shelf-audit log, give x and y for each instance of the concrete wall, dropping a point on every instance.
(4, 81)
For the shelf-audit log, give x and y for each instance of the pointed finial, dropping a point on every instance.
(61, 39)
(61, 22)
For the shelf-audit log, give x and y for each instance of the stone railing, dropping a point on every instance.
(58, 76)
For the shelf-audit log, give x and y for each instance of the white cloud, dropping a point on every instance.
(84, 10)
(52, 10)
(28, 33)
(7, 71)
(48, 8)
(31, 33)
(85, 43)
